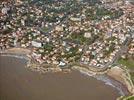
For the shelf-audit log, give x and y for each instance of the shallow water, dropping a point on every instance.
(19, 83)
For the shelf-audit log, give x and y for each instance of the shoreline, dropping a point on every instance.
(13, 53)
(87, 74)
(84, 73)
(121, 85)
(108, 80)
(27, 82)
(122, 75)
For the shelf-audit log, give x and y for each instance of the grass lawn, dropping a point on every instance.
(130, 98)
(127, 98)
(130, 65)
(127, 62)
(132, 76)
(45, 29)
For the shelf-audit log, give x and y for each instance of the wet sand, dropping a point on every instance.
(19, 83)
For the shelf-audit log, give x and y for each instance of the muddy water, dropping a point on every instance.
(19, 83)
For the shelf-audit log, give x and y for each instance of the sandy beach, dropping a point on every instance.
(122, 76)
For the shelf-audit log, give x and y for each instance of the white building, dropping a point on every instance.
(75, 19)
(36, 44)
(128, 2)
(87, 35)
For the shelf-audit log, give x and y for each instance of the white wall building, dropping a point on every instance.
(36, 44)
(87, 35)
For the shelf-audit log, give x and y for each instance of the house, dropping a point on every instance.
(59, 28)
(36, 55)
(5, 10)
